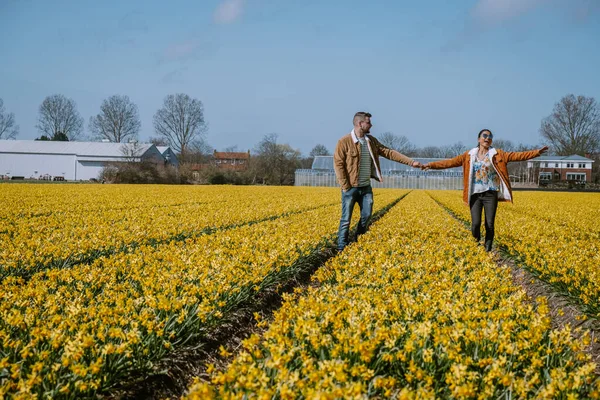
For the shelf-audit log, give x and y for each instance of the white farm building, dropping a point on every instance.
(71, 161)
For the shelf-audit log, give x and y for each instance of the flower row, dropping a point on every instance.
(78, 331)
(555, 235)
(127, 216)
(413, 310)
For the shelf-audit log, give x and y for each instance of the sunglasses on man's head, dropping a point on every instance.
(487, 135)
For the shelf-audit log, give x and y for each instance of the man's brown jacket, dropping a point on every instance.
(346, 159)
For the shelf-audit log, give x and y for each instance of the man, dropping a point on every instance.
(356, 161)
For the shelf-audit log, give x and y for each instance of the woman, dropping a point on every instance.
(485, 180)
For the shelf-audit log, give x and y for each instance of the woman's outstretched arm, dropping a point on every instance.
(524, 155)
(449, 163)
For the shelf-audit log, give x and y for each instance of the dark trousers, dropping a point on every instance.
(489, 202)
(364, 197)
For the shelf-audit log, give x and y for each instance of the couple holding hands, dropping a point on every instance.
(485, 176)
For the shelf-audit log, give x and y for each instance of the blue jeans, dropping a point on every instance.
(364, 197)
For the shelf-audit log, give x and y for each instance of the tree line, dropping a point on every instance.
(179, 122)
(573, 127)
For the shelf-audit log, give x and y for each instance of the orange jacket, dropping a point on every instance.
(500, 159)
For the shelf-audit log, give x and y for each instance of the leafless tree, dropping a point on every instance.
(180, 121)
(199, 151)
(574, 126)
(431, 152)
(275, 163)
(319, 150)
(457, 148)
(398, 143)
(8, 129)
(231, 149)
(201, 146)
(504, 144)
(132, 151)
(526, 147)
(117, 122)
(58, 114)
(449, 151)
(159, 141)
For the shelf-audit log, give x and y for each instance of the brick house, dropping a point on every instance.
(223, 160)
(561, 168)
(231, 161)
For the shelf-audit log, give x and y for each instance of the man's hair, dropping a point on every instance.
(360, 116)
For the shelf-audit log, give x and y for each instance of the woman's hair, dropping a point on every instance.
(481, 132)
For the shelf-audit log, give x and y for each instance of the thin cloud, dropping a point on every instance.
(191, 49)
(133, 21)
(493, 12)
(175, 76)
(586, 9)
(229, 11)
(490, 14)
(180, 51)
(125, 31)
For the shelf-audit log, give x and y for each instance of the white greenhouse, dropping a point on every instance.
(395, 175)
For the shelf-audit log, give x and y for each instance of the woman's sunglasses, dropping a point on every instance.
(487, 135)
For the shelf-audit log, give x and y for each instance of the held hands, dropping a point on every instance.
(416, 164)
(425, 167)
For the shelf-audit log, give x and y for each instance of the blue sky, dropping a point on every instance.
(436, 71)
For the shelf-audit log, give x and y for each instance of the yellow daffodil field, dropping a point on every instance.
(100, 283)
(555, 235)
(75, 330)
(413, 310)
(40, 230)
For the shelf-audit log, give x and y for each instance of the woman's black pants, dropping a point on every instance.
(487, 201)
